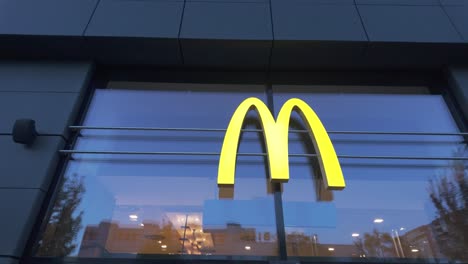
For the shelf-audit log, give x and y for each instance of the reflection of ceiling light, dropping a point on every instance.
(378, 220)
(402, 228)
(142, 224)
(163, 246)
(247, 248)
(331, 249)
(133, 217)
(355, 235)
(415, 250)
(159, 241)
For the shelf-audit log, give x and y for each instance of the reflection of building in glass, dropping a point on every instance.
(419, 243)
(242, 241)
(151, 238)
(303, 245)
(299, 244)
(451, 235)
(94, 240)
(416, 243)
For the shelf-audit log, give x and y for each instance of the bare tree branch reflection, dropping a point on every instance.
(449, 194)
(375, 244)
(65, 222)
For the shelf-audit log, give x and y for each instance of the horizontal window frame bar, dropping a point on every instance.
(79, 128)
(68, 152)
(220, 259)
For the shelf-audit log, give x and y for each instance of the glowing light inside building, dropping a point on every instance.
(133, 217)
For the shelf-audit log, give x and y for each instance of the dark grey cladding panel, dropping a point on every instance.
(301, 20)
(40, 47)
(408, 24)
(454, 2)
(29, 166)
(398, 2)
(231, 1)
(458, 77)
(459, 17)
(246, 54)
(7, 260)
(43, 76)
(294, 55)
(135, 51)
(53, 112)
(415, 55)
(19, 208)
(45, 17)
(143, 18)
(319, 2)
(222, 20)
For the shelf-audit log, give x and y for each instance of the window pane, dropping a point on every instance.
(389, 208)
(128, 205)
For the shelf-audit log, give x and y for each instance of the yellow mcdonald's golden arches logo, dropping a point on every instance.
(276, 141)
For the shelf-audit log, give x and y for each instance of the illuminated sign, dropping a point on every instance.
(276, 141)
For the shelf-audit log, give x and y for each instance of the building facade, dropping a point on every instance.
(113, 115)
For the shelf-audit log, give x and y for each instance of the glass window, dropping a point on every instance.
(390, 208)
(134, 204)
(137, 192)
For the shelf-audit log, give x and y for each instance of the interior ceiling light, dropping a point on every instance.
(133, 217)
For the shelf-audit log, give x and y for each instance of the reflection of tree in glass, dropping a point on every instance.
(449, 194)
(300, 244)
(375, 244)
(64, 222)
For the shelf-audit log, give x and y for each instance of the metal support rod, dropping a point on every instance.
(66, 152)
(78, 128)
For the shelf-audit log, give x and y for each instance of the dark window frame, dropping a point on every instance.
(436, 81)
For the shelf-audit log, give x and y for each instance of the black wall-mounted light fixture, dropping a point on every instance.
(24, 131)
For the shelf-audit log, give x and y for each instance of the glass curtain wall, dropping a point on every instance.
(154, 192)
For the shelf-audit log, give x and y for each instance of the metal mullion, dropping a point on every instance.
(278, 196)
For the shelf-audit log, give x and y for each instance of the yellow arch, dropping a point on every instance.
(276, 140)
(328, 161)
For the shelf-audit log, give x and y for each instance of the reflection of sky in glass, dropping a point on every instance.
(394, 190)
(160, 187)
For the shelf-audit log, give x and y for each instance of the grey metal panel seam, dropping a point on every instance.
(178, 35)
(91, 17)
(451, 20)
(268, 69)
(362, 22)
